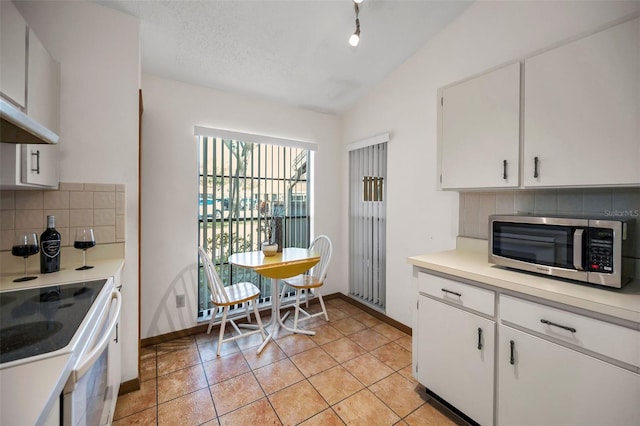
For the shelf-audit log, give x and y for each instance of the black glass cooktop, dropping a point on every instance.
(40, 320)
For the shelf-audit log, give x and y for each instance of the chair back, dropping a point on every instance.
(321, 245)
(216, 286)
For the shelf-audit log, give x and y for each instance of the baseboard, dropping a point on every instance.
(162, 338)
(129, 386)
(202, 328)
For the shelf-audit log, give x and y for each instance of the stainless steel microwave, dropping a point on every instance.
(583, 249)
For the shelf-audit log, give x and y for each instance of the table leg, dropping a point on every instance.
(276, 320)
(281, 320)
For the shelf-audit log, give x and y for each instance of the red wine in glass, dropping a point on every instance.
(24, 250)
(84, 240)
(83, 245)
(25, 245)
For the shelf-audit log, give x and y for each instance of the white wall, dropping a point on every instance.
(98, 51)
(489, 33)
(170, 186)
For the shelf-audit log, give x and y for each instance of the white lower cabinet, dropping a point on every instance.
(541, 365)
(456, 357)
(542, 383)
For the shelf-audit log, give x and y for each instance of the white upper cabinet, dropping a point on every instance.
(582, 111)
(13, 54)
(479, 144)
(29, 166)
(43, 98)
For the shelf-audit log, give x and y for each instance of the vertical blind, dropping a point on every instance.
(367, 226)
(242, 186)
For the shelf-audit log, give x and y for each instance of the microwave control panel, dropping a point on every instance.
(600, 250)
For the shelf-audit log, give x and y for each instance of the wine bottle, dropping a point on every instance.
(50, 248)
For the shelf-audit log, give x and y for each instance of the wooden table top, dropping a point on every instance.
(290, 262)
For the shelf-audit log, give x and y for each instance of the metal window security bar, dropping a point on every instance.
(246, 183)
(367, 223)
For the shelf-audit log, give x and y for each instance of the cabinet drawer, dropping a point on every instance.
(471, 297)
(611, 340)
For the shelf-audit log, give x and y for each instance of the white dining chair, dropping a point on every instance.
(223, 297)
(310, 282)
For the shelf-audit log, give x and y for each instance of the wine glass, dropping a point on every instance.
(84, 240)
(25, 245)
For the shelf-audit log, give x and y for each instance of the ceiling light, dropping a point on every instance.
(355, 37)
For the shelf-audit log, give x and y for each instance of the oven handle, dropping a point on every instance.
(87, 362)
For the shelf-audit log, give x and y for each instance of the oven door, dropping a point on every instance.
(90, 393)
(553, 246)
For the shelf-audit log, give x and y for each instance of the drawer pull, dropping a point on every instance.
(451, 292)
(512, 357)
(479, 339)
(564, 327)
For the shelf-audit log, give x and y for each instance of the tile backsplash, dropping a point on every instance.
(97, 205)
(475, 207)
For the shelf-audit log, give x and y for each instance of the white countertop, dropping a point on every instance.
(473, 265)
(103, 268)
(28, 391)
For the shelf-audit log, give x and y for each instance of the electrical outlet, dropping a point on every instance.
(180, 301)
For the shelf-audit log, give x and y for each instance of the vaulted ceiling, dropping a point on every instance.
(293, 51)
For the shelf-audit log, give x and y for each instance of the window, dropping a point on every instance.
(244, 182)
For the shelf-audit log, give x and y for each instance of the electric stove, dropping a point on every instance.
(36, 321)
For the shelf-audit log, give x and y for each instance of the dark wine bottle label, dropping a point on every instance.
(51, 248)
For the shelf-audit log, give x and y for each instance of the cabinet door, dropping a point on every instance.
(43, 103)
(548, 384)
(39, 165)
(456, 357)
(581, 109)
(480, 131)
(13, 52)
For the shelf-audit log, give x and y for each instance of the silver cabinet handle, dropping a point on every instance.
(37, 154)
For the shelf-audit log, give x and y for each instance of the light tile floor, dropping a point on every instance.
(356, 370)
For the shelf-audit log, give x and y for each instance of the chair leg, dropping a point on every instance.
(223, 323)
(258, 319)
(297, 311)
(212, 320)
(246, 308)
(326, 316)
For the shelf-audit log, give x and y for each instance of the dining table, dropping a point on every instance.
(291, 261)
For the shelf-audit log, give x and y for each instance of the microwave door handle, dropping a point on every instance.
(87, 362)
(577, 249)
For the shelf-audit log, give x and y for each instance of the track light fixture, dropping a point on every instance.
(355, 37)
